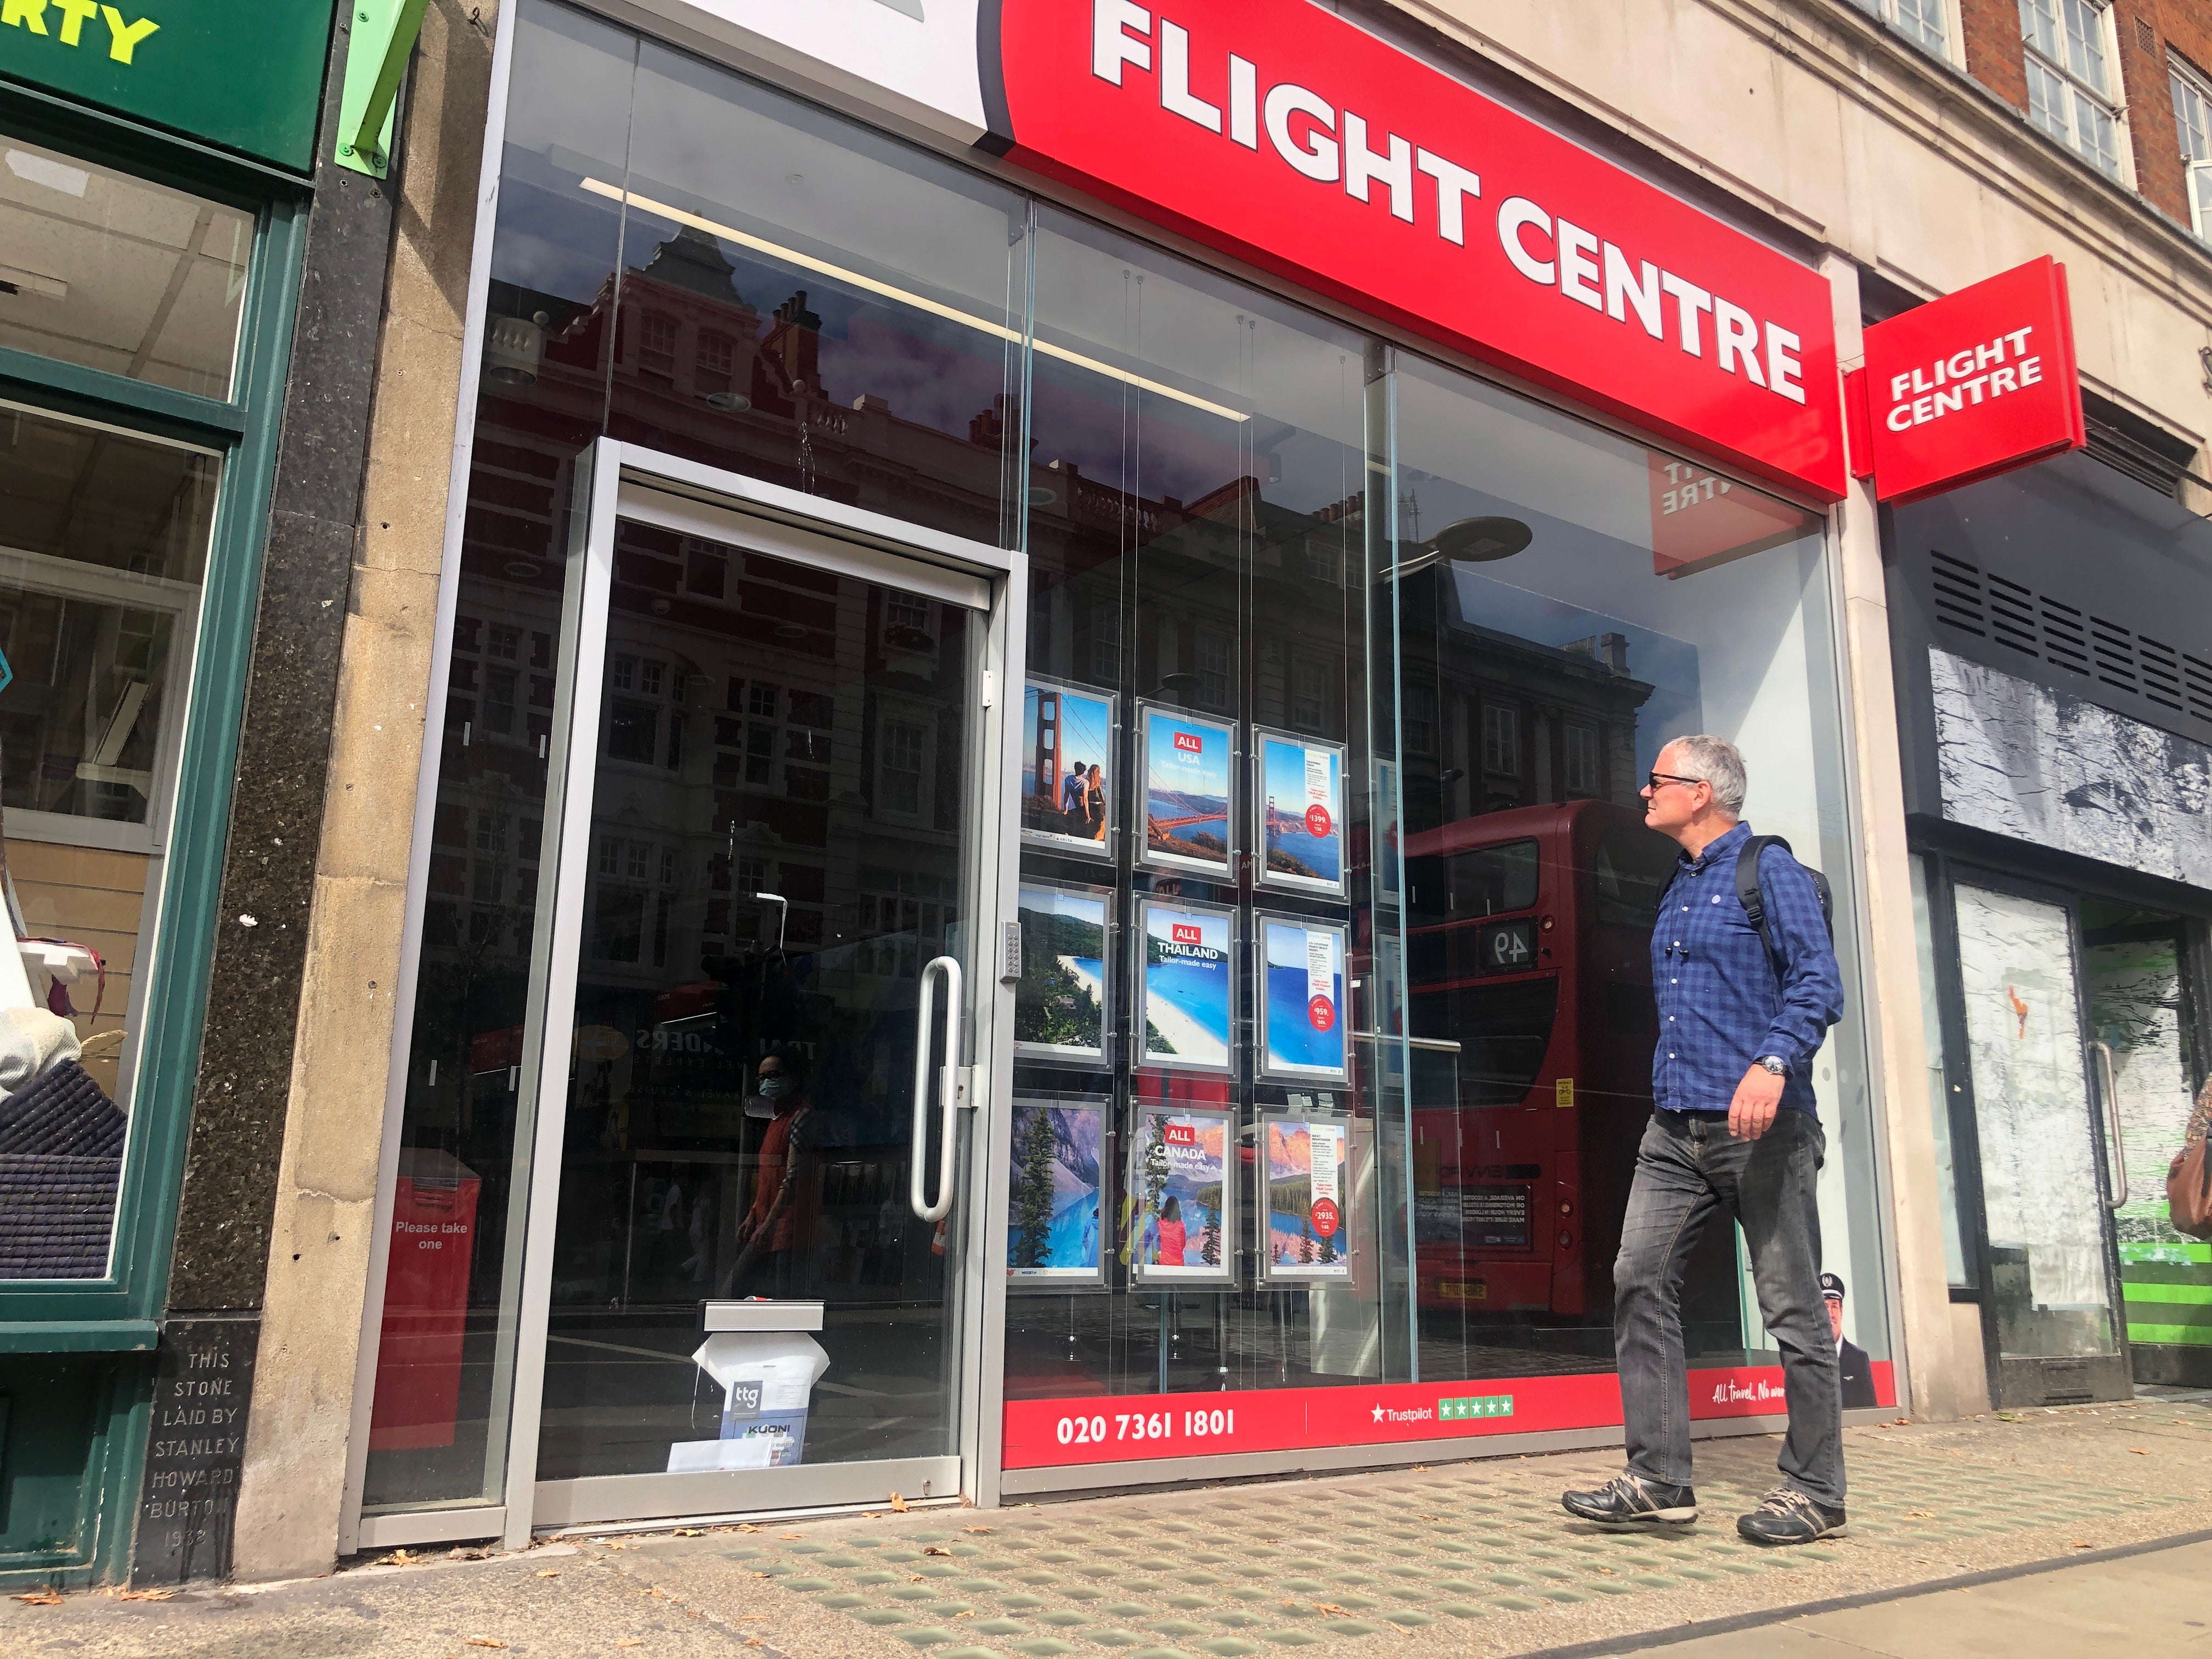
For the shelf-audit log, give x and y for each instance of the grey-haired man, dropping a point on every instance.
(1742, 1012)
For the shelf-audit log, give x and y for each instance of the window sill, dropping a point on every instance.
(80, 1336)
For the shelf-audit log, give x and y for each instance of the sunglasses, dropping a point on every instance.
(1653, 780)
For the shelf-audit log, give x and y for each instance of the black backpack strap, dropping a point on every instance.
(1747, 885)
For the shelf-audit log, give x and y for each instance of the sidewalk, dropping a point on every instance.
(1471, 1559)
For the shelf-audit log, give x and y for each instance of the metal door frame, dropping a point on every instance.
(1950, 874)
(617, 480)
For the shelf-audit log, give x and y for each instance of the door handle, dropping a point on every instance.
(2108, 1090)
(948, 1089)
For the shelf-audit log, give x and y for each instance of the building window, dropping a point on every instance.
(1920, 21)
(710, 370)
(1420, 710)
(1501, 739)
(2068, 80)
(1582, 765)
(905, 763)
(1213, 664)
(1309, 696)
(1106, 644)
(2193, 120)
(656, 344)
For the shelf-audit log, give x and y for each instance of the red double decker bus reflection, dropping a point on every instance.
(1528, 985)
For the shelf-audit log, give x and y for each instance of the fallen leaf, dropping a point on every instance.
(935, 1549)
(898, 1503)
(1900, 1422)
(482, 1641)
(1918, 1515)
(914, 1578)
(975, 1529)
(2082, 1544)
(463, 1553)
(790, 1535)
(40, 1598)
(866, 1515)
(1328, 1610)
(616, 1544)
(747, 1526)
(690, 1532)
(400, 1559)
(162, 1593)
(1418, 1468)
(967, 1613)
(753, 1641)
(2140, 1451)
(549, 1572)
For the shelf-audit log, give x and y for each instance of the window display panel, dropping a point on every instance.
(101, 564)
(1197, 506)
(1568, 602)
(445, 1355)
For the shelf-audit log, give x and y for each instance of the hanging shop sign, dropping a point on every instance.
(248, 78)
(1280, 134)
(1970, 385)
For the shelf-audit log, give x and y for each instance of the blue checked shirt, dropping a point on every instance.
(1722, 1005)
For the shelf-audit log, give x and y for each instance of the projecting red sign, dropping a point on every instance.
(1287, 136)
(1971, 385)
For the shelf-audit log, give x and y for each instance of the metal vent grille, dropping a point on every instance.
(2014, 617)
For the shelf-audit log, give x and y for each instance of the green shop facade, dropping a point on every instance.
(189, 278)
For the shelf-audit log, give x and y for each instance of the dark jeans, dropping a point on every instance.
(1689, 1170)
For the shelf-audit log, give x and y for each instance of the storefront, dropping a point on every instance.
(1143, 741)
(152, 188)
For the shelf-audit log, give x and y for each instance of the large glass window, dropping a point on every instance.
(102, 550)
(118, 274)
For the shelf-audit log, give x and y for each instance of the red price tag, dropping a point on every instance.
(1321, 1013)
(1317, 821)
(1325, 1219)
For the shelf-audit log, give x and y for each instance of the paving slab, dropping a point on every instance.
(1473, 1559)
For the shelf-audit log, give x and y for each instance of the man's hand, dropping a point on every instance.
(1758, 1098)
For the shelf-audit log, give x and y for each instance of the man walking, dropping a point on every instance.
(1743, 1009)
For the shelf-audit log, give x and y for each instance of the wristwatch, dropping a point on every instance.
(1775, 1064)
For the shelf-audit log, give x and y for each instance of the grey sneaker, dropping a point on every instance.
(1631, 1500)
(1787, 1516)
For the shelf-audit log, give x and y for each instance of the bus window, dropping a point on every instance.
(1633, 869)
(1504, 1031)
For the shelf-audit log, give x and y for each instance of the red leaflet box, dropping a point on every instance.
(426, 1302)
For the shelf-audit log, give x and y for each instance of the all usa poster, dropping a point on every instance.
(1179, 1210)
(1186, 980)
(1054, 1233)
(1301, 999)
(1187, 768)
(1067, 768)
(1300, 814)
(1059, 1004)
(1309, 1162)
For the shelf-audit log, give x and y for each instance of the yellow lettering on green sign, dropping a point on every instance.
(74, 12)
(123, 38)
(25, 14)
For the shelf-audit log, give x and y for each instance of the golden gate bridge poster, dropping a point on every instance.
(1189, 766)
(1300, 791)
(1067, 768)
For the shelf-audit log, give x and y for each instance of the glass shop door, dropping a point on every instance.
(2052, 1168)
(777, 847)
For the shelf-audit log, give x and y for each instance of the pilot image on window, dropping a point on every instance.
(1855, 1371)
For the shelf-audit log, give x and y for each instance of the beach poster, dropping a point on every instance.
(1053, 1231)
(1302, 999)
(1187, 984)
(1179, 1222)
(1301, 814)
(1059, 1002)
(1187, 785)
(1067, 768)
(1308, 1176)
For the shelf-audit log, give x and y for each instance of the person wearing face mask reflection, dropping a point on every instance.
(770, 1224)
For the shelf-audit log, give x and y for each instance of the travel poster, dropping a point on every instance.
(1187, 785)
(1309, 1170)
(1067, 768)
(1187, 984)
(1301, 814)
(1301, 1000)
(1053, 1222)
(1060, 1003)
(1178, 1219)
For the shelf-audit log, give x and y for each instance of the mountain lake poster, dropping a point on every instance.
(1308, 1174)
(1053, 1231)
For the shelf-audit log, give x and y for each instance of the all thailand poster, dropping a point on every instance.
(1302, 999)
(1055, 1230)
(1179, 1212)
(1061, 1001)
(1300, 814)
(1067, 768)
(1187, 768)
(1187, 984)
(1308, 1164)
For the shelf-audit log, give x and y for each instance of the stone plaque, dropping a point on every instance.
(188, 1501)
